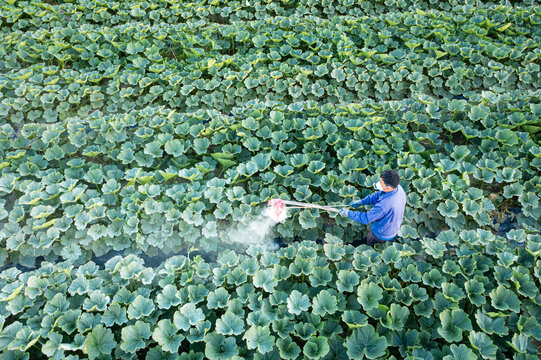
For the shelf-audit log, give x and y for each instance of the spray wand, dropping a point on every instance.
(279, 206)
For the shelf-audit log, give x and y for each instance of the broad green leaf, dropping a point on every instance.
(453, 323)
(504, 299)
(115, 314)
(316, 347)
(229, 324)
(368, 295)
(134, 336)
(297, 302)
(219, 347)
(462, 352)
(168, 297)
(260, 338)
(99, 342)
(167, 336)
(481, 342)
(288, 349)
(491, 325)
(264, 278)
(396, 317)
(324, 303)
(188, 315)
(347, 280)
(365, 342)
(140, 307)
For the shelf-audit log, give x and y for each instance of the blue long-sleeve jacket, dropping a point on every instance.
(386, 215)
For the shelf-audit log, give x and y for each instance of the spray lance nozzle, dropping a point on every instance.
(279, 208)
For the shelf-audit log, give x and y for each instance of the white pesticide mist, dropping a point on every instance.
(256, 232)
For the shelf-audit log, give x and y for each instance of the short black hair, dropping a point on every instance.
(390, 178)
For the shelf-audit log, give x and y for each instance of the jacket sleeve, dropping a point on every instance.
(366, 218)
(371, 199)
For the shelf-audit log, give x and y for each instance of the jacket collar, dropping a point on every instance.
(390, 192)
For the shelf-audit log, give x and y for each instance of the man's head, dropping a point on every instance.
(389, 180)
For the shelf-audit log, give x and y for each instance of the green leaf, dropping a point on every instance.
(334, 251)
(491, 325)
(476, 292)
(12, 293)
(365, 342)
(481, 342)
(304, 330)
(462, 352)
(390, 255)
(97, 301)
(8, 334)
(316, 347)
(410, 274)
(229, 324)
(320, 276)
(324, 303)
(265, 279)
(529, 326)
(115, 314)
(41, 211)
(306, 219)
(224, 159)
(368, 295)
(175, 147)
(347, 280)
(52, 347)
(200, 145)
(453, 322)
(316, 166)
(167, 336)
(519, 343)
(218, 347)
(288, 349)
(134, 47)
(449, 208)
(478, 113)
(433, 247)
(188, 315)
(297, 303)
(259, 337)
(452, 292)
(262, 161)
(99, 342)
(168, 297)
(354, 318)
(504, 299)
(338, 74)
(140, 307)
(58, 303)
(396, 317)
(134, 336)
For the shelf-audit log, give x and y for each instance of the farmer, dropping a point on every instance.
(388, 211)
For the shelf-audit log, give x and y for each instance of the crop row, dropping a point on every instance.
(41, 15)
(51, 74)
(309, 301)
(158, 179)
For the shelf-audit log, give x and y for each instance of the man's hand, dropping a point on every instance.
(355, 203)
(344, 212)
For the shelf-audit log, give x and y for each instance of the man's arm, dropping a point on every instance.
(371, 199)
(366, 218)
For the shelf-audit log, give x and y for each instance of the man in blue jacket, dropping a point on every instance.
(388, 211)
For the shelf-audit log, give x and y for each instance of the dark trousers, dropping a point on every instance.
(371, 239)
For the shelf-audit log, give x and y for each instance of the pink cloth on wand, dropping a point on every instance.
(277, 206)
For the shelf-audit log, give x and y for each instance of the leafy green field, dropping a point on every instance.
(152, 127)
(306, 300)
